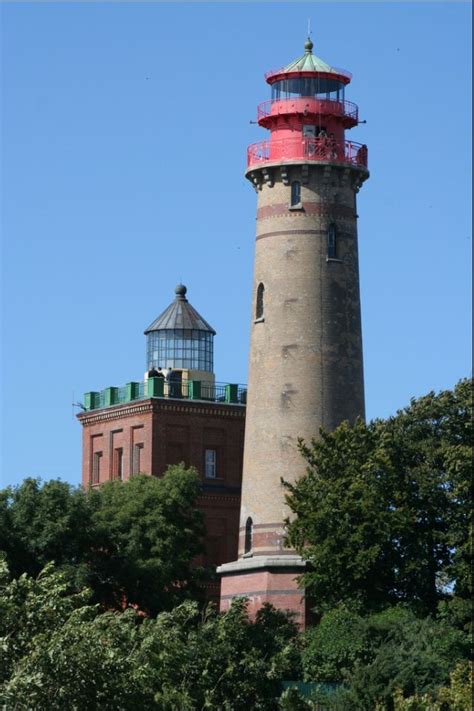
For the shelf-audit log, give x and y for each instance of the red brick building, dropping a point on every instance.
(178, 413)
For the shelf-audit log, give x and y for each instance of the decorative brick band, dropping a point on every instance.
(313, 209)
(270, 526)
(156, 405)
(113, 413)
(266, 593)
(321, 233)
(290, 232)
(233, 499)
(266, 543)
(273, 551)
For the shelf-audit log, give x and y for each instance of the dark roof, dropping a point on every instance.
(180, 314)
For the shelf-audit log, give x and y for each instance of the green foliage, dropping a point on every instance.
(69, 656)
(457, 696)
(383, 512)
(32, 609)
(291, 700)
(224, 661)
(149, 532)
(376, 655)
(46, 522)
(132, 542)
(333, 647)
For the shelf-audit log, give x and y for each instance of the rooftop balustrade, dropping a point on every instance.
(208, 391)
(311, 149)
(332, 71)
(307, 105)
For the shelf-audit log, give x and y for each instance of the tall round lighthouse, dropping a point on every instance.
(306, 366)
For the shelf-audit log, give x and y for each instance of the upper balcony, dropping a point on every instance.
(306, 149)
(346, 111)
(207, 391)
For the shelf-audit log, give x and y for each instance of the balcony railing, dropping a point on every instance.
(311, 149)
(158, 387)
(308, 105)
(334, 70)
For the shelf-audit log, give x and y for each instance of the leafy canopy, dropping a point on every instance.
(381, 655)
(132, 542)
(383, 514)
(59, 651)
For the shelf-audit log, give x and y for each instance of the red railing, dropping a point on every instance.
(334, 70)
(317, 149)
(308, 105)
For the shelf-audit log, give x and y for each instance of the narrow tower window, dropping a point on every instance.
(332, 251)
(96, 462)
(136, 458)
(248, 535)
(295, 193)
(118, 463)
(260, 301)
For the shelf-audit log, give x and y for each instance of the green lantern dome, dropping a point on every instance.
(309, 63)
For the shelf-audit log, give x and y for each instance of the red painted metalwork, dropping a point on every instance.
(311, 149)
(307, 105)
(308, 128)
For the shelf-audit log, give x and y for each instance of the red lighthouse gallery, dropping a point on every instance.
(305, 366)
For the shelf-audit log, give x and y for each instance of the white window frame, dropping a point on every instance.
(210, 463)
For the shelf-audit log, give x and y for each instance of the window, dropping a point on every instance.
(332, 252)
(136, 460)
(181, 348)
(260, 298)
(309, 86)
(210, 463)
(295, 193)
(309, 131)
(248, 535)
(96, 467)
(118, 463)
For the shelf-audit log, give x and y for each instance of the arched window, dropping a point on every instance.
(248, 535)
(260, 299)
(332, 247)
(295, 193)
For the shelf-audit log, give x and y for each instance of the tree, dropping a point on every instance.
(379, 656)
(132, 542)
(382, 515)
(72, 656)
(42, 522)
(147, 533)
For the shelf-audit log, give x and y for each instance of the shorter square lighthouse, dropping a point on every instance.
(177, 413)
(306, 367)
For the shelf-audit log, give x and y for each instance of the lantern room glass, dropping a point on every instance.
(181, 349)
(319, 87)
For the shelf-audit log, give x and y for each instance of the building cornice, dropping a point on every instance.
(157, 405)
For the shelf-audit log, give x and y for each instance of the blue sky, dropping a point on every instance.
(124, 138)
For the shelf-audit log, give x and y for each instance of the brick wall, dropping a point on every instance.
(167, 432)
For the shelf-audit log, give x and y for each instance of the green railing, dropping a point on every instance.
(158, 387)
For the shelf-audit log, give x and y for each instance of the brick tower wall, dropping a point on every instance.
(306, 368)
